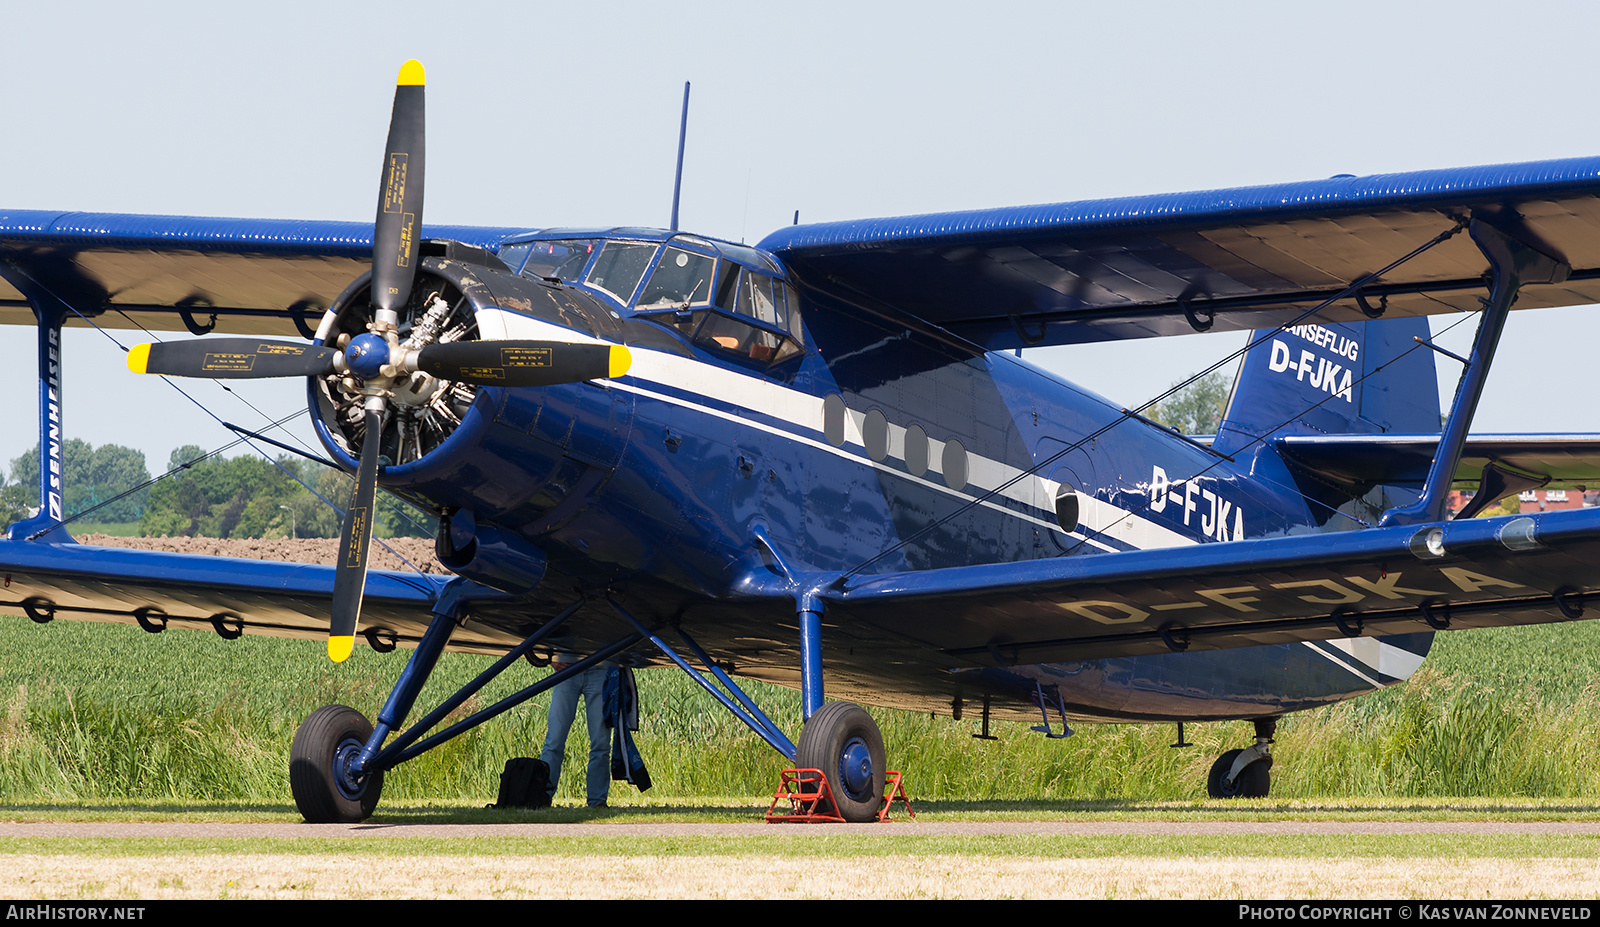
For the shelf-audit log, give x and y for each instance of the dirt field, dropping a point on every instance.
(304, 550)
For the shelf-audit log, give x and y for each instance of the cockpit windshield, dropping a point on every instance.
(682, 279)
(619, 268)
(562, 260)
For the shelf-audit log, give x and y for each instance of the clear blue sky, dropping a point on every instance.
(543, 115)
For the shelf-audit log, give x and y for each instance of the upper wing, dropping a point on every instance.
(1253, 257)
(257, 276)
(1474, 573)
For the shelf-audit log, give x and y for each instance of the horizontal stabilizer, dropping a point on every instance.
(1567, 461)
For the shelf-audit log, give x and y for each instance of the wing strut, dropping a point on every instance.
(1512, 263)
(50, 313)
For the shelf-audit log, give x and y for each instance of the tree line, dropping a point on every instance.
(201, 494)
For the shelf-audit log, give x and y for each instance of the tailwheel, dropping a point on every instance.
(1253, 781)
(320, 762)
(1245, 773)
(843, 741)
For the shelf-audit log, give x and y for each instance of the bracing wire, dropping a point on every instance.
(1259, 337)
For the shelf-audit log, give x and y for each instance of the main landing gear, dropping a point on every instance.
(843, 741)
(322, 775)
(1245, 773)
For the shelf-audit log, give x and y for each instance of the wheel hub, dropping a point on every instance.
(855, 768)
(345, 777)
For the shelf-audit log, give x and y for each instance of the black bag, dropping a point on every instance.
(525, 783)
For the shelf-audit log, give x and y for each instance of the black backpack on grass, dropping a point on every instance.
(525, 783)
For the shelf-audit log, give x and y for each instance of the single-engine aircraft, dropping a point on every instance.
(822, 462)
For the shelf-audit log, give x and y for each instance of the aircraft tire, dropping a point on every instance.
(326, 743)
(1254, 781)
(843, 741)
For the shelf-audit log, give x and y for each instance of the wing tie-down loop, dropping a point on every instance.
(1200, 320)
(152, 619)
(1369, 310)
(300, 314)
(41, 610)
(1345, 617)
(1029, 338)
(1176, 638)
(186, 307)
(229, 627)
(1570, 602)
(1436, 612)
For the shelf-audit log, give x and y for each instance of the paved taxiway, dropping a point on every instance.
(161, 829)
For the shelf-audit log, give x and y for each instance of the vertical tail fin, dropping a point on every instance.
(1334, 378)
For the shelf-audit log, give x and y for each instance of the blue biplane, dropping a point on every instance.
(820, 461)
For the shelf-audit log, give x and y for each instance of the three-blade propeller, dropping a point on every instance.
(375, 360)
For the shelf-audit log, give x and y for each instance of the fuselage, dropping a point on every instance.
(765, 419)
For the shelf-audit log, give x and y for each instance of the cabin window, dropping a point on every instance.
(1067, 508)
(561, 260)
(682, 279)
(916, 450)
(620, 267)
(833, 413)
(875, 435)
(954, 464)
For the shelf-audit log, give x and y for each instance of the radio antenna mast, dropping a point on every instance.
(683, 131)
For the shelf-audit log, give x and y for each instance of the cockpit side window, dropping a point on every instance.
(682, 279)
(562, 260)
(620, 267)
(754, 296)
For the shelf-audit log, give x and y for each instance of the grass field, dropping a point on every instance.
(97, 713)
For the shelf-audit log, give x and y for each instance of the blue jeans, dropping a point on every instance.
(591, 684)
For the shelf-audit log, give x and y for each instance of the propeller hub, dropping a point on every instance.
(365, 356)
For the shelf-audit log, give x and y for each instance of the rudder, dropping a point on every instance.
(1333, 378)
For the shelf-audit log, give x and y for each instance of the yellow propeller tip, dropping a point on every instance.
(411, 73)
(339, 648)
(139, 358)
(620, 361)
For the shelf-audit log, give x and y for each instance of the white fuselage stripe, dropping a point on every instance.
(1385, 659)
(804, 411)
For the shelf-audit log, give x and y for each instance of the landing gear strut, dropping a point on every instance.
(1245, 773)
(843, 741)
(320, 763)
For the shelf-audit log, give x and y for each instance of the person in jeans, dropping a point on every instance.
(591, 685)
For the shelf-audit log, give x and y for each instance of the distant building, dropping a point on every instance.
(1535, 500)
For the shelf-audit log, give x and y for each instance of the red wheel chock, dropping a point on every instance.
(811, 800)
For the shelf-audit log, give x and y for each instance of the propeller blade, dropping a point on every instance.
(523, 363)
(355, 539)
(231, 359)
(394, 239)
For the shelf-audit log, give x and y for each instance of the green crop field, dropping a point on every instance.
(92, 712)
